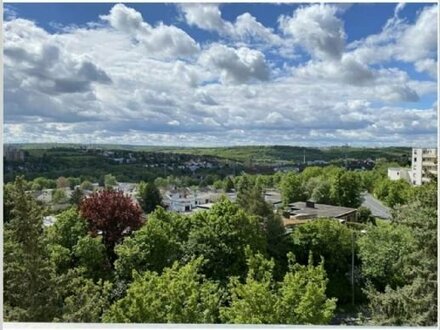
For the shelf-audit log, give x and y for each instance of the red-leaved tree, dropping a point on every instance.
(111, 214)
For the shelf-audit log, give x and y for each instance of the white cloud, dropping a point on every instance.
(246, 27)
(235, 66)
(316, 28)
(95, 84)
(162, 40)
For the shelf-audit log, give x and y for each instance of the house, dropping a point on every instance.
(299, 212)
(398, 173)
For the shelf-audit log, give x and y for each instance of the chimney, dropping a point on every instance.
(310, 204)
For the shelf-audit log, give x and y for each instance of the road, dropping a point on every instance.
(376, 207)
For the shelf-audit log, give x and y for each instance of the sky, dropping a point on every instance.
(221, 74)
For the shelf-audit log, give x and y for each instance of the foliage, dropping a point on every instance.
(59, 196)
(392, 192)
(76, 197)
(149, 196)
(384, 251)
(112, 215)
(365, 216)
(86, 185)
(220, 235)
(27, 273)
(291, 188)
(331, 240)
(299, 299)
(81, 299)
(180, 295)
(62, 182)
(345, 189)
(156, 245)
(91, 255)
(109, 181)
(415, 302)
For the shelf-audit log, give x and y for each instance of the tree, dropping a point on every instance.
(383, 251)
(62, 182)
(91, 255)
(291, 188)
(155, 246)
(76, 197)
(331, 240)
(345, 189)
(414, 302)
(86, 185)
(364, 216)
(180, 295)
(298, 299)
(220, 235)
(28, 275)
(149, 196)
(112, 215)
(109, 181)
(81, 299)
(228, 185)
(59, 196)
(321, 192)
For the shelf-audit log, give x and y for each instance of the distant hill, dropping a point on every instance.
(256, 154)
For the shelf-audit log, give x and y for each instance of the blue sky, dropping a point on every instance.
(229, 74)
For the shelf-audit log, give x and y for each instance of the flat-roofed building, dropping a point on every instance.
(299, 212)
(423, 165)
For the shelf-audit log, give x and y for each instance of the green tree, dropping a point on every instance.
(156, 245)
(76, 197)
(345, 189)
(321, 192)
(414, 302)
(59, 196)
(292, 189)
(220, 235)
(109, 181)
(365, 216)
(81, 299)
(299, 299)
(181, 294)
(149, 196)
(91, 256)
(28, 275)
(383, 251)
(86, 185)
(331, 240)
(228, 185)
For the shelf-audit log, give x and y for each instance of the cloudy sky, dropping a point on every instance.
(230, 74)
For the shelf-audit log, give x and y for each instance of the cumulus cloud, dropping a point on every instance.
(246, 27)
(413, 43)
(162, 40)
(236, 65)
(318, 29)
(112, 83)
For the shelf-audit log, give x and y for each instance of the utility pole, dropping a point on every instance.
(304, 156)
(352, 267)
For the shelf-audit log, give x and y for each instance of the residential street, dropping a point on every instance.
(377, 208)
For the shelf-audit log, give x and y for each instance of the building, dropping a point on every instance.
(423, 165)
(301, 212)
(399, 173)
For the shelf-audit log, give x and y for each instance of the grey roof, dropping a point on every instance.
(320, 210)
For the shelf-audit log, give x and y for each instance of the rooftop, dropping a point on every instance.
(319, 210)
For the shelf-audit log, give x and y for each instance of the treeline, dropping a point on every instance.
(102, 261)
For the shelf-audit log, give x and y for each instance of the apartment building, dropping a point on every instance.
(423, 165)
